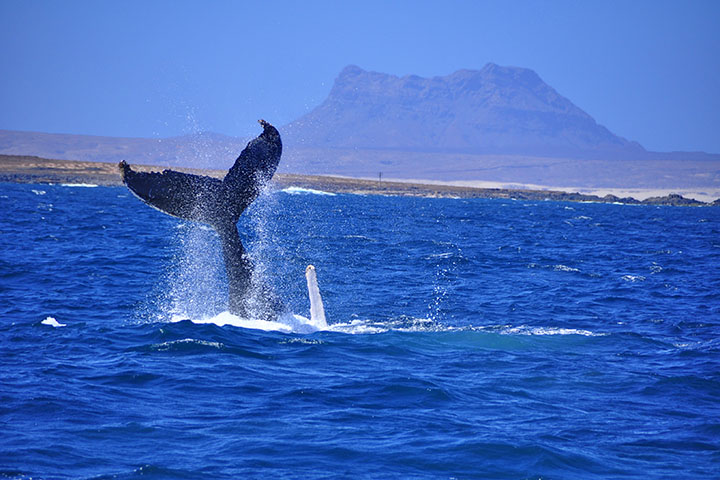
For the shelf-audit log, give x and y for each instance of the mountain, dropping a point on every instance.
(495, 110)
(498, 124)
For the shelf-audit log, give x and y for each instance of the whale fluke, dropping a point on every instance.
(219, 203)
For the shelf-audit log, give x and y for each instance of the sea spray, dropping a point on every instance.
(196, 285)
(258, 228)
(197, 282)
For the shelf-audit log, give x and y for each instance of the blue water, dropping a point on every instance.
(468, 339)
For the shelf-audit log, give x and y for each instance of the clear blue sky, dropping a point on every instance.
(647, 70)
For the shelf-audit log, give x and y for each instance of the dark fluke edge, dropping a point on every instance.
(219, 203)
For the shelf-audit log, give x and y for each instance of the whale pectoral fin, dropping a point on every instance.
(192, 197)
(317, 310)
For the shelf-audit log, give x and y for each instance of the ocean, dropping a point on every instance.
(467, 339)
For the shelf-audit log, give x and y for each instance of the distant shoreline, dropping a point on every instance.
(30, 169)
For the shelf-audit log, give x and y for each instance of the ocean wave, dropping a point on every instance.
(81, 185)
(186, 343)
(298, 324)
(527, 330)
(306, 191)
(361, 237)
(439, 255)
(564, 268)
(633, 278)
(287, 323)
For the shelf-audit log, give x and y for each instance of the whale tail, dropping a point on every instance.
(219, 203)
(206, 199)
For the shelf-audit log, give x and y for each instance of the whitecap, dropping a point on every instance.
(84, 185)
(565, 268)
(526, 330)
(361, 237)
(39, 192)
(439, 255)
(302, 341)
(298, 324)
(633, 278)
(404, 324)
(306, 191)
(187, 341)
(52, 322)
(287, 323)
(359, 327)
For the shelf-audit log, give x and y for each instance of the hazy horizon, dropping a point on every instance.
(647, 71)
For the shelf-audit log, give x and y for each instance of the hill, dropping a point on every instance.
(497, 124)
(495, 110)
(501, 124)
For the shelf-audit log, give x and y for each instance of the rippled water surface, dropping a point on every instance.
(467, 339)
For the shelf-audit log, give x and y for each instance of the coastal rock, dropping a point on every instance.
(672, 199)
(609, 198)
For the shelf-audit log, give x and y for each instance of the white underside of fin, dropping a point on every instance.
(317, 311)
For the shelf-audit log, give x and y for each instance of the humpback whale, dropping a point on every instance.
(219, 203)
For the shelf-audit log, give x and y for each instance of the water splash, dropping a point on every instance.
(259, 239)
(51, 321)
(195, 282)
(445, 268)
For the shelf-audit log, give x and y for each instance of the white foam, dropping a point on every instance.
(298, 324)
(419, 325)
(52, 322)
(633, 278)
(84, 185)
(189, 341)
(361, 237)
(287, 323)
(526, 330)
(293, 323)
(39, 192)
(564, 268)
(440, 255)
(369, 327)
(306, 191)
